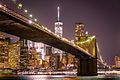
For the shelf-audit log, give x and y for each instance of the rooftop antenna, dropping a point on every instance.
(58, 17)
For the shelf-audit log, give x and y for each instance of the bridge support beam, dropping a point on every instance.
(87, 66)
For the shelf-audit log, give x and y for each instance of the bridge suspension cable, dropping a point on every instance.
(99, 55)
(100, 59)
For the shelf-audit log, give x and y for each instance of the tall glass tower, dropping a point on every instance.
(58, 28)
(58, 31)
(58, 24)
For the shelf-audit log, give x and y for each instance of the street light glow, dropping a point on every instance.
(20, 6)
(30, 21)
(35, 19)
(30, 15)
(86, 32)
(0, 5)
(25, 11)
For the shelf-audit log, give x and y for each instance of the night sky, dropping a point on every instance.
(101, 18)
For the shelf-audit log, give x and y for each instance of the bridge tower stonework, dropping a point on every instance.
(87, 66)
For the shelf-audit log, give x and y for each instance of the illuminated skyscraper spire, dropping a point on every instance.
(58, 24)
(58, 18)
(58, 28)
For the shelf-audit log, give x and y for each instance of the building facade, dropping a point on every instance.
(117, 61)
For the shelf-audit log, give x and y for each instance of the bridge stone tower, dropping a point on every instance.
(87, 66)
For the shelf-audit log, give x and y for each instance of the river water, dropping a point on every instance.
(59, 77)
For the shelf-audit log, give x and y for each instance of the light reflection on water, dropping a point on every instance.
(58, 77)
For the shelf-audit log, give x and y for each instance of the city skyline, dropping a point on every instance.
(101, 18)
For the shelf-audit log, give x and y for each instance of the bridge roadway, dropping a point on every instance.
(18, 25)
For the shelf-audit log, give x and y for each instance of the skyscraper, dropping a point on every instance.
(58, 28)
(58, 24)
(59, 32)
(40, 47)
(79, 31)
(117, 61)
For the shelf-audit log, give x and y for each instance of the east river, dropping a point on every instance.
(59, 77)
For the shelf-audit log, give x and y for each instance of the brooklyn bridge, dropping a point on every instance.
(80, 54)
